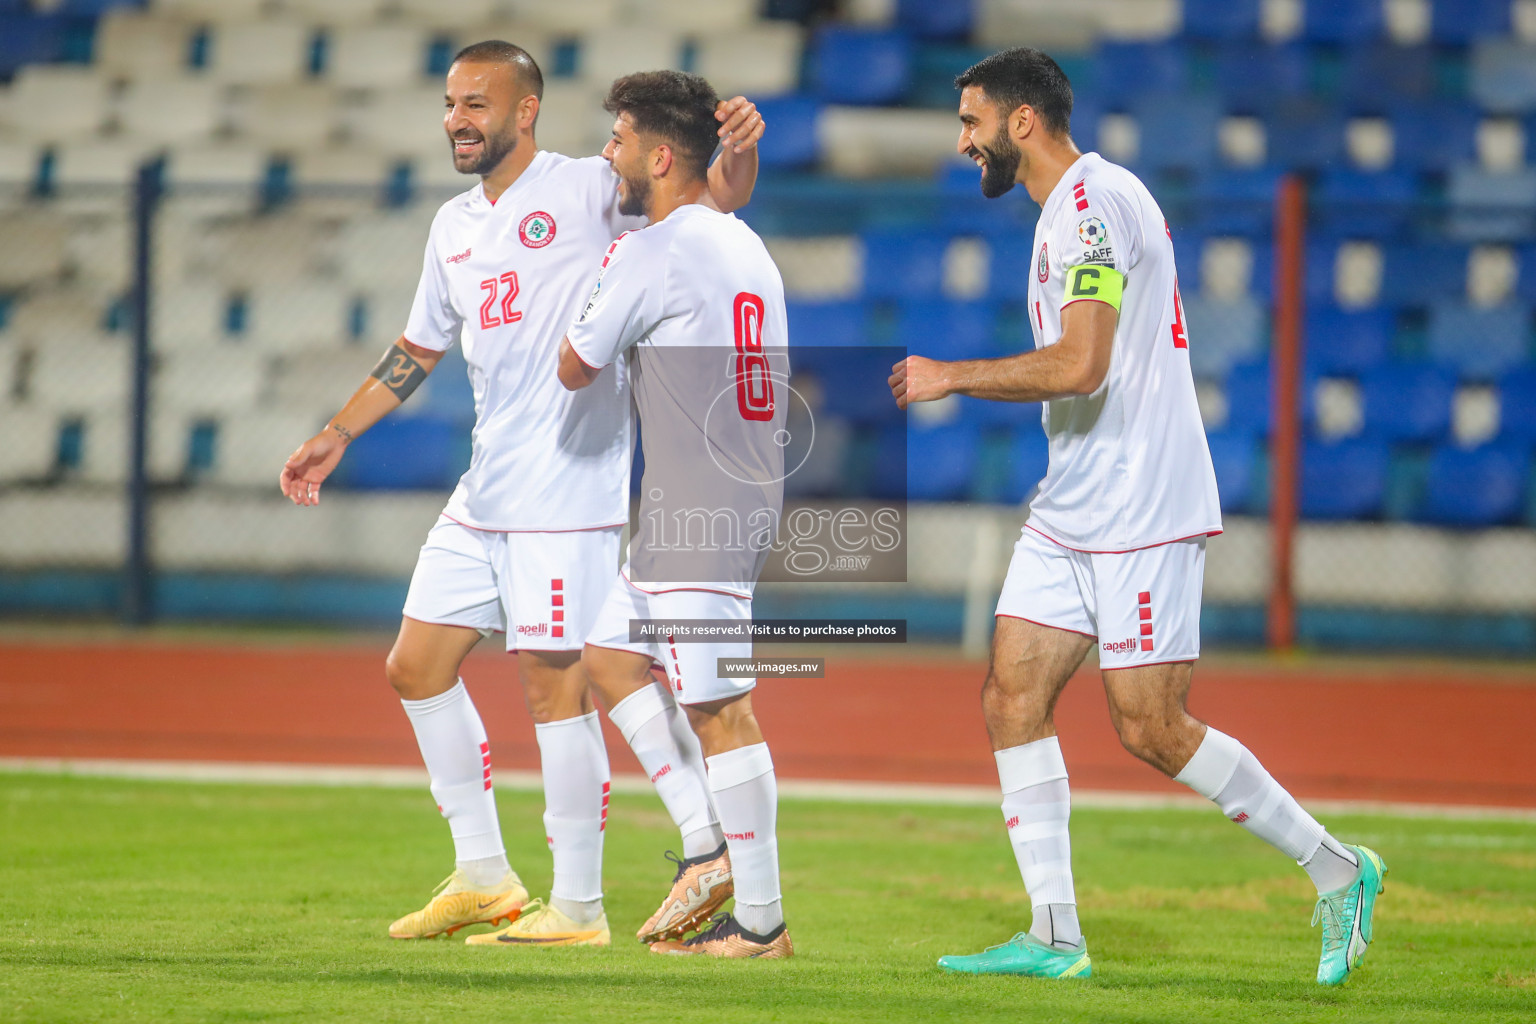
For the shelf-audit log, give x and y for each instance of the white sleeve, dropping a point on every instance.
(605, 185)
(433, 323)
(1103, 230)
(626, 303)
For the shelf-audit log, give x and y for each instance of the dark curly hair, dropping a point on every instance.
(673, 107)
(1020, 76)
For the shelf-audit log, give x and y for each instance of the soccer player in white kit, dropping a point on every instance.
(696, 304)
(529, 540)
(1113, 554)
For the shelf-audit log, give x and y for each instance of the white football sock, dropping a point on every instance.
(458, 759)
(1225, 771)
(657, 730)
(580, 911)
(747, 796)
(1037, 805)
(575, 767)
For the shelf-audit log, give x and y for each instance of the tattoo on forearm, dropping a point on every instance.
(346, 435)
(400, 372)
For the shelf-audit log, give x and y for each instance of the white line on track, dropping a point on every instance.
(794, 789)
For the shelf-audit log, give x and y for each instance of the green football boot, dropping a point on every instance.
(1346, 918)
(1024, 955)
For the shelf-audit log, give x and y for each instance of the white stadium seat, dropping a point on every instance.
(272, 249)
(377, 56)
(298, 317)
(19, 164)
(106, 450)
(608, 52)
(34, 249)
(384, 249)
(561, 16)
(31, 442)
(360, 167)
(819, 267)
(760, 61)
(215, 381)
(251, 447)
(402, 122)
(67, 526)
(321, 381)
(212, 10)
(290, 117)
(387, 311)
(539, 44)
(58, 311)
(264, 52)
(221, 178)
(861, 142)
(572, 119)
(79, 373)
(337, 12)
(171, 110)
(692, 16)
(52, 103)
(188, 317)
(455, 16)
(100, 256)
(138, 46)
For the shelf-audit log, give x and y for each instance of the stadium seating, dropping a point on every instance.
(1344, 480)
(1479, 487)
(858, 66)
(1252, 77)
(1479, 343)
(1235, 458)
(942, 329)
(1517, 406)
(1349, 21)
(406, 453)
(1222, 19)
(1343, 342)
(1407, 402)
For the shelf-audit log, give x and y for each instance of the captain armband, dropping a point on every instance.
(400, 372)
(1092, 281)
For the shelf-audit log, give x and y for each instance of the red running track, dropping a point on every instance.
(1339, 730)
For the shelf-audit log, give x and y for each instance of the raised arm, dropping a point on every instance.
(734, 173)
(399, 373)
(1075, 365)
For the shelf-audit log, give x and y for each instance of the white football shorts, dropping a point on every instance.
(1142, 607)
(543, 590)
(691, 668)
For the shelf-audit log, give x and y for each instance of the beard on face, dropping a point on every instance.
(493, 150)
(1002, 166)
(636, 195)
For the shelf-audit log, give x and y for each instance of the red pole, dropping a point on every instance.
(1285, 411)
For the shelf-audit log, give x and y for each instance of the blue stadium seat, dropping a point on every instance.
(1479, 342)
(1247, 390)
(1342, 21)
(1482, 486)
(854, 380)
(1305, 134)
(836, 324)
(1462, 21)
(942, 329)
(1177, 131)
(1236, 202)
(29, 39)
(1433, 134)
(861, 66)
(1343, 480)
(1408, 402)
(939, 462)
(1029, 456)
(1223, 333)
(903, 263)
(1376, 74)
(1492, 206)
(1517, 406)
(928, 20)
(791, 142)
(1414, 274)
(1123, 72)
(1011, 261)
(406, 453)
(991, 415)
(92, 8)
(1235, 458)
(1504, 76)
(1221, 19)
(1321, 255)
(1347, 343)
(1364, 204)
(1252, 77)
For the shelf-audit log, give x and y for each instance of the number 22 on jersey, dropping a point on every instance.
(492, 288)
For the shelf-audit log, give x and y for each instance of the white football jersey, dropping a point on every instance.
(505, 280)
(1129, 465)
(698, 305)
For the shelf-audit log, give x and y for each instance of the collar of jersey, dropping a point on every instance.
(533, 171)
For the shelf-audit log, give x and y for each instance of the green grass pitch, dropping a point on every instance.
(127, 901)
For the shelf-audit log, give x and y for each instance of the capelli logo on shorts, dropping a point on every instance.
(1123, 646)
(542, 629)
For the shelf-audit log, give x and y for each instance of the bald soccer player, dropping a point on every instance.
(528, 542)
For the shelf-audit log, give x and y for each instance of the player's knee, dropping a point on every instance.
(406, 676)
(1144, 739)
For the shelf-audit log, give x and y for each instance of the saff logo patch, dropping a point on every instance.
(537, 230)
(1043, 266)
(1092, 232)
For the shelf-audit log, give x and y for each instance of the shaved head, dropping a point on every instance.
(517, 59)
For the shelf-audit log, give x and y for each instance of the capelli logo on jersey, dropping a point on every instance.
(460, 258)
(542, 629)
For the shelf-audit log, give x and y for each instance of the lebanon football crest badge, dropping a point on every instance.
(537, 230)
(1043, 268)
